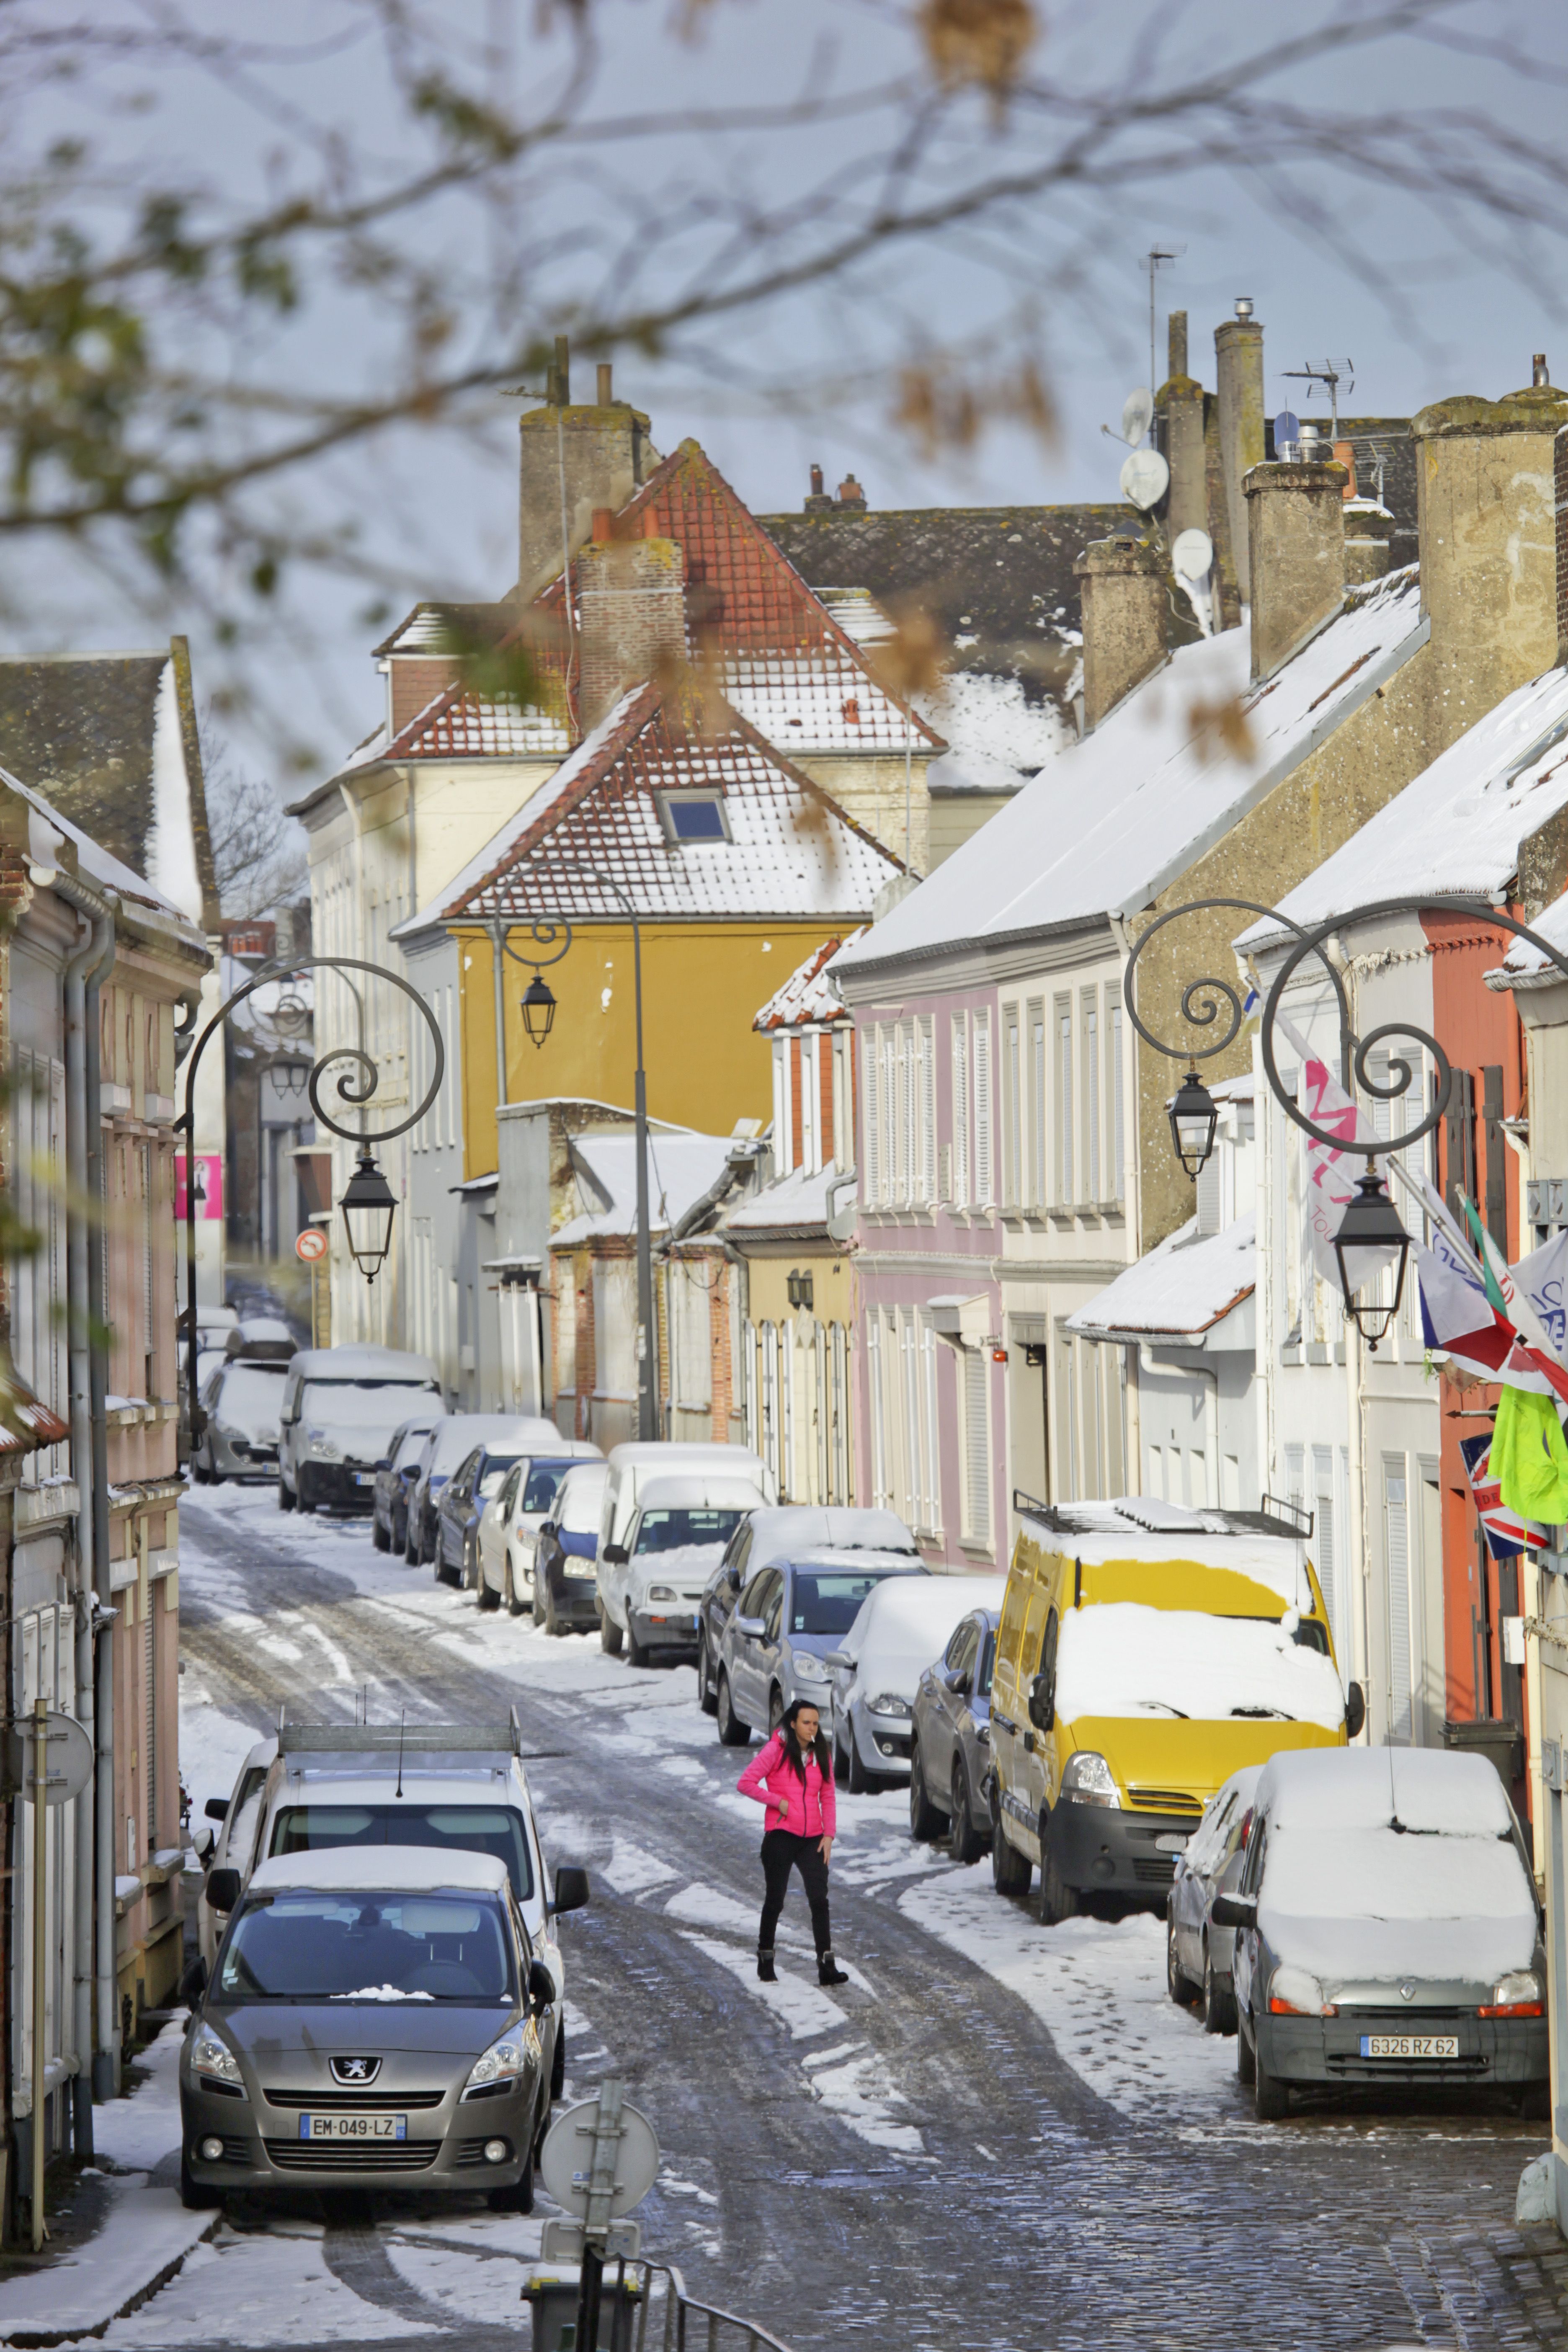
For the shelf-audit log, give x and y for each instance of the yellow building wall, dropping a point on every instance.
(703, 984)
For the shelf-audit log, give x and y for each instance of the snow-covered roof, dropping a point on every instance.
(1456, 831)
(681, 1169)
(794, 1202)
(1525, 967)
(809, 994)
(998, 737)
(789, 851)
(1114, 819)
(98, 868)
(1178, 1290)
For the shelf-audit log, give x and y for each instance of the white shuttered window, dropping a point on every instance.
(984, 1177)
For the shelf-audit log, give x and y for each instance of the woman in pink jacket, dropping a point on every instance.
(793, 1777)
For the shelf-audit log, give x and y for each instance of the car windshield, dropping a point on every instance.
(368, 1947)
(492, 1473)
(352, 1404)
(540, 1489)
(988, 1661)
(581, 1502)
(408, 1451)
(828, 1600)
(473, 1829)
(252, 1393)
(1124, 1659)
(671, 1530)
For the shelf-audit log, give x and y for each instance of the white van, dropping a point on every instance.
(340, 1409)
(717, 1485)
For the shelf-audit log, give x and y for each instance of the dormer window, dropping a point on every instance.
(693, 817)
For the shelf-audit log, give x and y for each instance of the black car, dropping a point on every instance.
(769, 1537)
(395, 1475)
(565, 1587)
(950, 1767)
(478, 1477)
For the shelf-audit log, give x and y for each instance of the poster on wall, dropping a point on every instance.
(209, 1185)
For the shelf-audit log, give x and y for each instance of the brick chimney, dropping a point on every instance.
(631, 606)
(1126, 602)
(1238, 355)
(573, 459)
(1485, 476)
(1296, 555)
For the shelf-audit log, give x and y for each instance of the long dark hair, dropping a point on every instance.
(794, 1751)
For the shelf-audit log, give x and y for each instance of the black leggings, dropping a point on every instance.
(781, 1852)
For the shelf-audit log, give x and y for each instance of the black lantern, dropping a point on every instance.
(368, 1208)
(538, 1008)
(1370, 1239)
(1194, 1116)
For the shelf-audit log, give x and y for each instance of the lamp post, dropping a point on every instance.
(368, 1202)
(552, 934)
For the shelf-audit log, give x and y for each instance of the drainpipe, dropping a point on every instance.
(106, 2057)
(98, 932)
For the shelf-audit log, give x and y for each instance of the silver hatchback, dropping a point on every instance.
(774, 1645)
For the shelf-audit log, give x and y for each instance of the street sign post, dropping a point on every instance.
(599, 2160)
(311, 1244)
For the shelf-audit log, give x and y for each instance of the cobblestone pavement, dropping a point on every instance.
(934, 2157)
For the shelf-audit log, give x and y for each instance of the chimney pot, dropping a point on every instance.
(604, 524)
(1238, 357)
(606, 397)
(563, 372)
(1539, 372)
(1296, 525)
(817, 481)
(850, 493)
(1243, 305)
(1176, 344)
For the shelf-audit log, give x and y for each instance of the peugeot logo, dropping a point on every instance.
(350, 2070)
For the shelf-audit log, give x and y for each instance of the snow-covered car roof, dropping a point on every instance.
(382, 1869)
(1429, 1790)
(780, 1530)
(697, 1491)
(362, 1364)
(907, 1621)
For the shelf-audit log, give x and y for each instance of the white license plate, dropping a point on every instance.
(1409, 2045)
(354, 2127)
(364, 1478)
(1172, 1842)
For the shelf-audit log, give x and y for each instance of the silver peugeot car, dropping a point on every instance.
(375, 2013)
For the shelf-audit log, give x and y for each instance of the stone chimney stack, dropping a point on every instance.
(1183, 401)
(1487, 514)
(631, 606)
(1296, 555)
(1126, 602)
(1368, 542)
(1239, 354)
(573, 461)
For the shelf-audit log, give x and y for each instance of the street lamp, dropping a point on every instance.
(369, 1206)
(1194, 1116)
(538, 1008)
(1370, 1241)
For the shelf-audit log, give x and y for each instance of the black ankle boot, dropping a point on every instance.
(765, 1964)
(828, 1972)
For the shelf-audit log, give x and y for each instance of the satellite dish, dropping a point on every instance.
(1136, 412)
(1193, 554)
(1287, 427)
(1145, 477)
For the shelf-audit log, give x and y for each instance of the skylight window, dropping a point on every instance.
(691, 817)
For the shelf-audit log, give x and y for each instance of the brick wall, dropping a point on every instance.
(632, 601)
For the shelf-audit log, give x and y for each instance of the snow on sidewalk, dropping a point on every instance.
(1098, 1987)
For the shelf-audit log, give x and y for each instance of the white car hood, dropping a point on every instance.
(1373, 1905)
(686, 1570)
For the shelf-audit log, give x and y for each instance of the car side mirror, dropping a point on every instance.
(223, 1889)
(548, 1527)
(217, 1808)
(1355, 1710)
(203, 1841)
(193, 1981)
(732, 1578)
(957, 1682)
(541, 1987)
(571, 1888)
(1043, 1701)
(839, 1658)
(753, 1627)
(1234, 1910)
(615, 1555)
(386, 1463)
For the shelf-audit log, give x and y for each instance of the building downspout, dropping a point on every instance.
(106, 2057)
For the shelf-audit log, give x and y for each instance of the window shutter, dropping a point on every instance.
(1397, 1523)
(976, 1448)
(1117, 1125)
(870, 1112)
(983, 1168)
(1323, 1533)
(878, 1422)
(1208, 1194)
(928, 1111)
(891, 1172)
(960, 1194)
(1091, 1094)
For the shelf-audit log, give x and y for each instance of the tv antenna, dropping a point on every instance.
(1154, 256)
(1331, 375)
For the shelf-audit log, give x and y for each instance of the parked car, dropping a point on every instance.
(505, 1538)
(1198, 1954)
(242, 1401)
(773, 1533)
(565, 1575)
(448, 1445)
(393, 1475)
(264, 1338)
(1145, 1654)
(340, 1408)
(651, 1580)
(774, 1645)
(632, 1465)
(951, 1735)
(900, 1627)
(1387, 1930)
(477, 1480)
(371, 2018)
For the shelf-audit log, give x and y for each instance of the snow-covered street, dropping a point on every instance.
(994, 2134)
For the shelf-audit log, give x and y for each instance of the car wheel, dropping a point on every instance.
(553, 1624)
(194, 2196)
(706, 1696)
(1057, 1900)
(860, 1781)
(1535, 2102)
(199, 1471)
(1010, 1870)
(485, 1592)
(558, 2063)
(775, 1709)
(609, 1634)
(840, 1764)
(285, 1498)
(637, 1651)
(1183, 1991)
(965, 1843)
(1245, 2063)
(519, 2198)
(925, 1822)
(732, 1732)
(1219, 2001)
(380, 1536)
(1270, 2096)
(536, 1598)
(304, 1501)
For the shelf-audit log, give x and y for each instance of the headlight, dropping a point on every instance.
(889, 1704)
(211, 2056)
(504, 2061)
(808, 1669)
(1293, 1993)
(1088, 1780)
(661, 1592)
(1516, 1995)
(320, 1443)
(983, 1731)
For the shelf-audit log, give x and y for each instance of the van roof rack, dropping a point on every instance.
(416, 1738)
(1149, 1515)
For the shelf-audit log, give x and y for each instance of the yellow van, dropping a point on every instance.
(1145, 1654)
